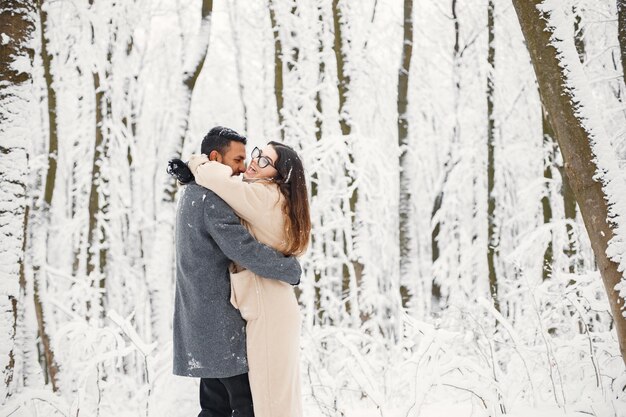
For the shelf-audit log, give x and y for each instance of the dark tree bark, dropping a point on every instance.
(294, 52)
(278, 70)
(579, 34)
(569, 201)
(403, 143)
(621, 33)
(319, 108)
(569, 207)
(53, 140)
(18, 27)
(319, 126)
(93, 268)
(434, 243)
(575, 146)
(321, 75)
(96, 239)
(449, 164)
(343, 89)
(343, 79)
(492, 240)
(39, 281)
(98, 207)
(548, 149)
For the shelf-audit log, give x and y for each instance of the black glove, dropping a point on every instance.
(179, 170)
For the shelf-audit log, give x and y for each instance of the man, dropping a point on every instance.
(209, 333)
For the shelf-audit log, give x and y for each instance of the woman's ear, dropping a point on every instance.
(215, 156)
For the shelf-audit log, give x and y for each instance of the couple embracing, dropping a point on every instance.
(236, 317)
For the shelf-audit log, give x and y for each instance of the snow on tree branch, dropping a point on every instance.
(585, 108)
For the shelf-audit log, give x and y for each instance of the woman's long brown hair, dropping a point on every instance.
(292, 184)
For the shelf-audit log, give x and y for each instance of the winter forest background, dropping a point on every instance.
(450, 270)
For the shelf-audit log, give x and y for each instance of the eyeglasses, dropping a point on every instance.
(262, 160)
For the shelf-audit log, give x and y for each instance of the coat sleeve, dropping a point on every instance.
(249, 200)
(238, 244)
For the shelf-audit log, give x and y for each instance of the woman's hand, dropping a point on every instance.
(179, 170)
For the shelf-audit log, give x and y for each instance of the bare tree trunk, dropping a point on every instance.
(294, 52)
(40, 281)
(435, 290)
(403, 143)
(98, 194)
(569, 207)
(192, 67)
(192, 70)
(621, 33)
(234, 29)
(355, 269)
(343, 79)
(450, 163)
(548, 149)
(319, 126)
(278, 69)
(492, 240)
(321, 74)
(136, 230)
(53, 140)
(96, 264)
(78, 235)
(579, 34)
(160, 266)
(575, 143)
(16, 94)
(569, 201)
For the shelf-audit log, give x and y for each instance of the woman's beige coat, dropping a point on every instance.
(269, 306)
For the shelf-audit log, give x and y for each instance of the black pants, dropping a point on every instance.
(226, 397)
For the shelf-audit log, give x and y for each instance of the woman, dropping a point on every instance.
(272, 201)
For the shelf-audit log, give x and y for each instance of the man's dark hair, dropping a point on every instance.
(219, 138)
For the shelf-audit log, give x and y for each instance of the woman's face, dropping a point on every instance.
(267, 159)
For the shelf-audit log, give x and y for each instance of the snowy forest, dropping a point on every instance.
(466, 173)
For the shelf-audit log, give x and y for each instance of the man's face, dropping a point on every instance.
(235, 157)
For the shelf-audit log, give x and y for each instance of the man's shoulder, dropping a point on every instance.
(209, 199)
(194, 190)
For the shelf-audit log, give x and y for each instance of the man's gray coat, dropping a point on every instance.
(209, 333)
